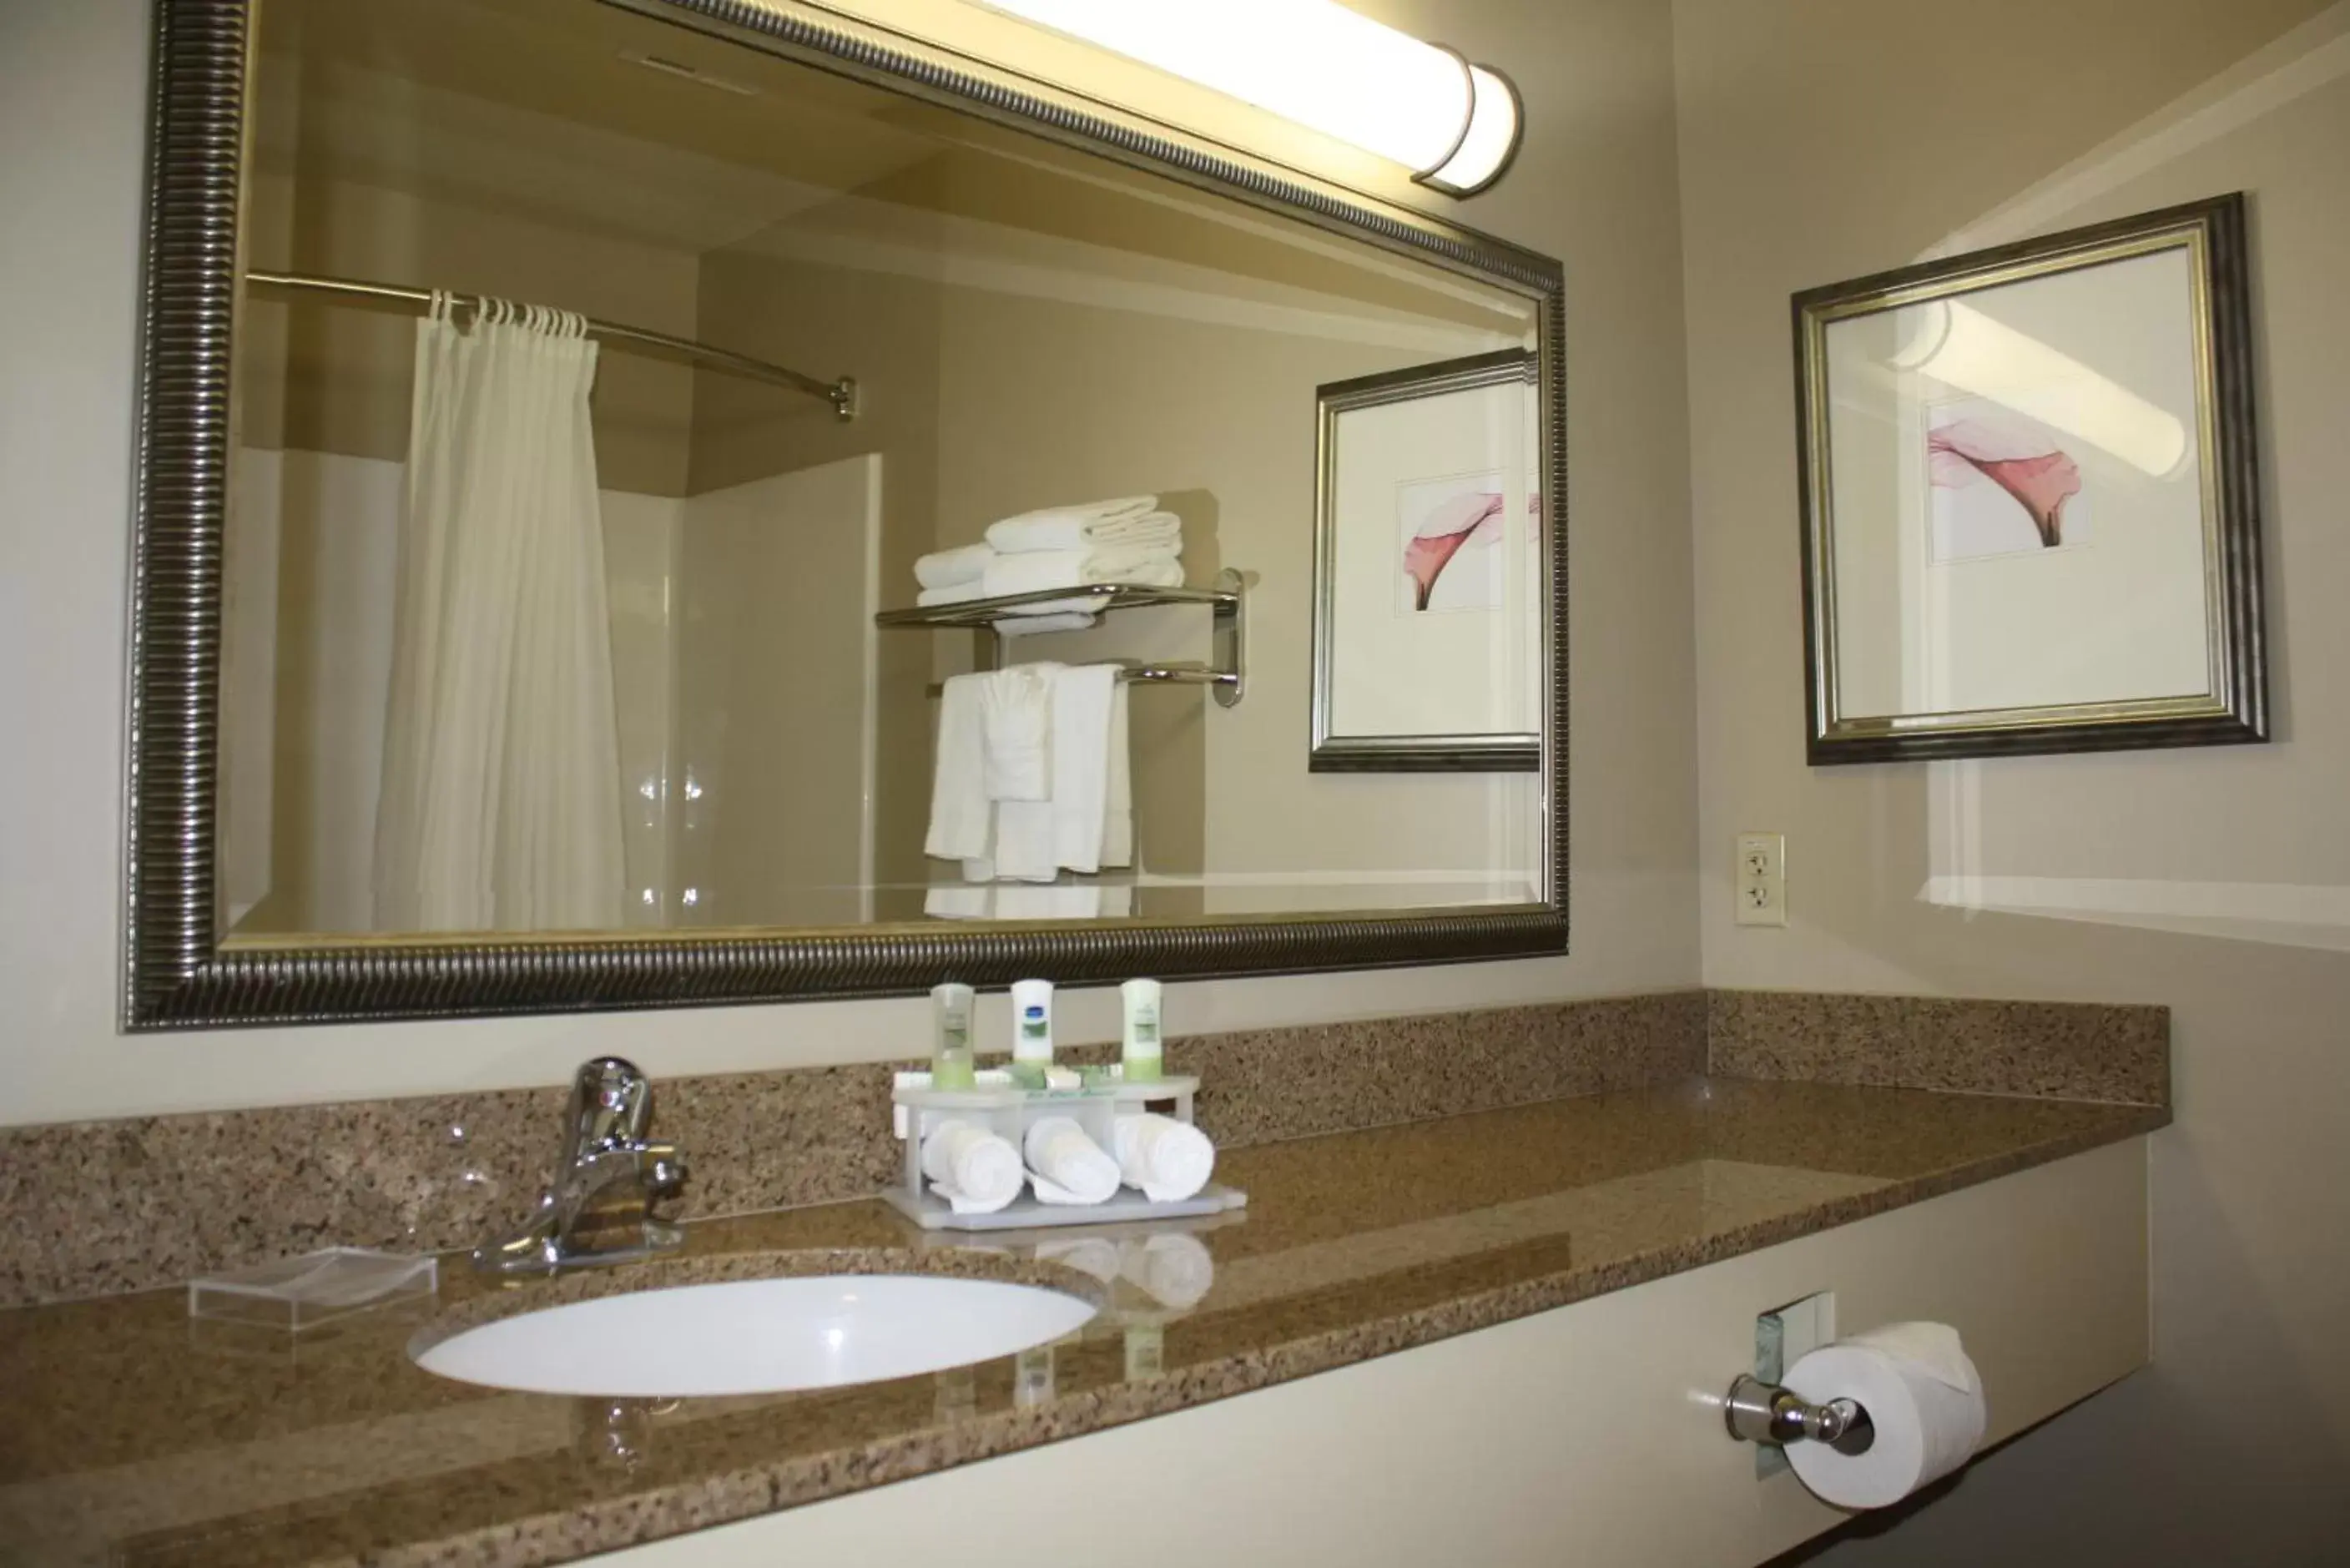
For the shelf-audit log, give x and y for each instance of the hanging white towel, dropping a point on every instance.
(950, 902)
(1084, 698)
(1024, 901)
(947, 569)
(960, 593)
(1066, 527)
(1117, 804)
(1022, 850)
(1016, 713)
(1047, 569)
(961, 821)
(1058, 901)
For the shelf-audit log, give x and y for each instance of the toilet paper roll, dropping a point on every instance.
(1924, 1399)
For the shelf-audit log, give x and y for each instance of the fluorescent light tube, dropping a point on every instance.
(1454, 125)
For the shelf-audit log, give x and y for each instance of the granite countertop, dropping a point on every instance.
(135, 1436)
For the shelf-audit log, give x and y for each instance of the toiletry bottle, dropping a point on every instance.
(951, 1041)
(1031, 1031)
(1140, 1058)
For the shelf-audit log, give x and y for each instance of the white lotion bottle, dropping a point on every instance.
(1141, 1054)
(1031, 1031)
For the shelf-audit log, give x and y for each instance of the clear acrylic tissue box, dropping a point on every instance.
(293, 1295)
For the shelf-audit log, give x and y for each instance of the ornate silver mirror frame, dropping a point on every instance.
(177, 973)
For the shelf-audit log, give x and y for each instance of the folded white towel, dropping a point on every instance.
(1117, 806)
(1016, 727)
(961, 822)
(1027, 623)
(959, 593)
(1172, 1268)
(1064, 1166)
(1150, 530)
(946, 569)
(1084, 699)
(1064, 527)
(975, 1170)
(1170, 1161)
(1048, 569)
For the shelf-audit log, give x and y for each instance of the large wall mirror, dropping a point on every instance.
(678, 502)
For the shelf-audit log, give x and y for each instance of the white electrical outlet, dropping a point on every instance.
(1762, 879)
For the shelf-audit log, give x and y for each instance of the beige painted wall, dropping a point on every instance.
(1593, 185)
(1832, 138)
(335, 379)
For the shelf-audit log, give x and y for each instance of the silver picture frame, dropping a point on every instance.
(2216, 334)
(1328, 749)
(179, 972)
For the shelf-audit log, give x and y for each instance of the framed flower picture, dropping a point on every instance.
(2031, 520)
(1429, 577)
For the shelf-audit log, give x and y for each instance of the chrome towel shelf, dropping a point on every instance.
(1228, 602)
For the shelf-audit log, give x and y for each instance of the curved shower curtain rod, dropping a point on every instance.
(841, 394)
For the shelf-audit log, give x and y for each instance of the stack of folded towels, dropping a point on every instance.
(1124, 540)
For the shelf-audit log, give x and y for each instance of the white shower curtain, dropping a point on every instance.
(500, 803)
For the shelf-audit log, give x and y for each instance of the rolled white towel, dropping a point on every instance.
(1046, 569)
(976, 1171)
(1075, 527)
(1064, 1166)
(1173, 1269)
(1095, 1255)
(946, 569)
(959, 593)
(1170, 1161)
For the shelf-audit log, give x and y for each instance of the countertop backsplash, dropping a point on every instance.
(100, 1208)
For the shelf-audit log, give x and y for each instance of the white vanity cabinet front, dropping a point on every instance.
(1587, 1435)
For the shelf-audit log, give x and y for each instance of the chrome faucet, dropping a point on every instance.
(598, 1208)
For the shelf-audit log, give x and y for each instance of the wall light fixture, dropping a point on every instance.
(1454, 125)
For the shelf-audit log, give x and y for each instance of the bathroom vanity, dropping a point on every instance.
(1500, 1337)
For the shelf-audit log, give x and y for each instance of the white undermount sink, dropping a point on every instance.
(757, 1336)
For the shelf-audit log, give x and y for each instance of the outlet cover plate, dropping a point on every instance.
(1759, 882)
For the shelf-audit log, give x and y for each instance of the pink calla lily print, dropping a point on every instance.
(1451, 526)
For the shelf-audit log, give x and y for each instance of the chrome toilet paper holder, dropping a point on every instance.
(1759, 1412)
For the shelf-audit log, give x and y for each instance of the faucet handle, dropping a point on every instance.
(597, 1207)
(664, 1166)
(611, 1105)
